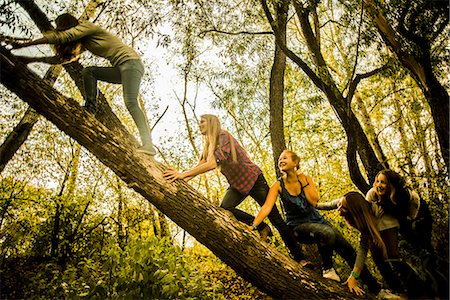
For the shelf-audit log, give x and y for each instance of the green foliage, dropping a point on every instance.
(145, 269)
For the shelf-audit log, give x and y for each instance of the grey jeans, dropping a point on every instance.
(129, 74)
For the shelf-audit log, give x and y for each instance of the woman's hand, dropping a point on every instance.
(352, 284)
(302, 178)
(171, 175)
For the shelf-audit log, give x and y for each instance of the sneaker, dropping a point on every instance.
(385, 294)
(331, 274)
(147, 149)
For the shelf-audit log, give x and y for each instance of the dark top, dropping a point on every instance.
(297, 209)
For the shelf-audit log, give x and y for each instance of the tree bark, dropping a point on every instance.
(276, 93)
(17, 137)
(257, 262)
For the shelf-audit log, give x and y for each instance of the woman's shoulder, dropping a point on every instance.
(278, 181)
(371, 195)
(277, 184)
(90, 27)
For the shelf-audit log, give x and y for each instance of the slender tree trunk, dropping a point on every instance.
(17, 137)
(370, 130)
(262, 265)
(120, 230)
(276, 93)
(403, 137)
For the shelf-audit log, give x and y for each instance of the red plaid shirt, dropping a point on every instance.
(241, 175)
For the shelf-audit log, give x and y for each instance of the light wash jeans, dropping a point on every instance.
(129, 74)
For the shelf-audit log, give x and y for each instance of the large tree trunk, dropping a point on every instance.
(17, 137)
(420, 68)
(276, 96)
(262, 265)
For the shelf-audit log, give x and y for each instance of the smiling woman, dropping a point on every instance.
(396, 205)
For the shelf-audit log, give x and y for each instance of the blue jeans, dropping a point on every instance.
(129, 74)
(259, 192)
(329, 239)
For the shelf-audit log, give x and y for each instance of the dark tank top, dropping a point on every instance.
(297, 209)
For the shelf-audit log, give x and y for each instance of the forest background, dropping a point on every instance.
(324, 78)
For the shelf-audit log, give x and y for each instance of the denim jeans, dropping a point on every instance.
(329, 239)
(129, 74)
(259, 192)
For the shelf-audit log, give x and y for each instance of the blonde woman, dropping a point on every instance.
(221, 149)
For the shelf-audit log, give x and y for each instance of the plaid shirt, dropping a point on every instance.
(241, 175)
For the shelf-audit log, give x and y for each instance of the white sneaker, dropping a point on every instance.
(385, 294)
(331, 274)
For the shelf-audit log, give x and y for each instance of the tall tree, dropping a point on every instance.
(276, 93)
(419, 26)
(357, 141)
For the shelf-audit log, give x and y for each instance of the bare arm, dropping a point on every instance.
(330, 205)
(268, 205)
(202, 167)
(353, 278)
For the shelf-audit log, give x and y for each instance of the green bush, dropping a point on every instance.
(143, 270)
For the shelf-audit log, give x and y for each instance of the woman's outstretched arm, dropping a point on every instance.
(268, 205)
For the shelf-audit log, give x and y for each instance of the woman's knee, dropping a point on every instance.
(326, 236)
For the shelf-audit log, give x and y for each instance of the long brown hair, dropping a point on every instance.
(359, 214)
(211, 138)
(67, 51)
(398, 193)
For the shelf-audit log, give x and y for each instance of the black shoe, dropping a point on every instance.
(90, 107)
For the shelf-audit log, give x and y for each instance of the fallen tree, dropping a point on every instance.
(257, 262)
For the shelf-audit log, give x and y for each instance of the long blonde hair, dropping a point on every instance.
(211, 137)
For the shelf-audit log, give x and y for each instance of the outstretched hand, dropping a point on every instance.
(171, 175)
(352, 284)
